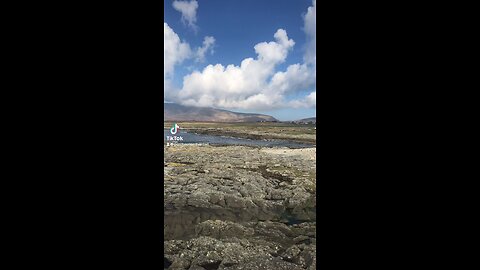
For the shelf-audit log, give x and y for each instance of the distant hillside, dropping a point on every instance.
(177, 112)
(307, 120)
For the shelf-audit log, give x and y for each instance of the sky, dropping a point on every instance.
(255, 56)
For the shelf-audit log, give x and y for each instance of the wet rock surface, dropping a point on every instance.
(236, 207)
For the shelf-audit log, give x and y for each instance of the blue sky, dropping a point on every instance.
(204, 37)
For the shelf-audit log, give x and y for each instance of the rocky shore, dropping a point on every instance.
(256, 135)
(254, 131)
(237, 207)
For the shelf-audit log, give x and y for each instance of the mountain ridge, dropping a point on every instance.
(178, 112)
(306, 120)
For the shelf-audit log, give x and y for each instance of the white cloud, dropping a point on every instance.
(169, 90)
(310, 28)
(238, 86)
(174, 50)
(255, 84)
(208, 43)
(275, 52)
(188, 9)
(259, 101)
(310, 101)
(297, 77)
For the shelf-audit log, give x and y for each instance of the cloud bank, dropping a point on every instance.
(310, 28)
(174, 50)
(240, 86)
(254, 84)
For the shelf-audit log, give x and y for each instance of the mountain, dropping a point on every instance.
(307, 120)
(177, 112)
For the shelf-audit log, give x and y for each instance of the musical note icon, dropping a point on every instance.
(174, 128)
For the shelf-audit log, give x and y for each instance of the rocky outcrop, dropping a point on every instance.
(235, 207)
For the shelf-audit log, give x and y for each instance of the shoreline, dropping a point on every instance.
(244, 135)
(295, 133)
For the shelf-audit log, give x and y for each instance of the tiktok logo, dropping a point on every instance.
(174, 128)
(173, 140)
